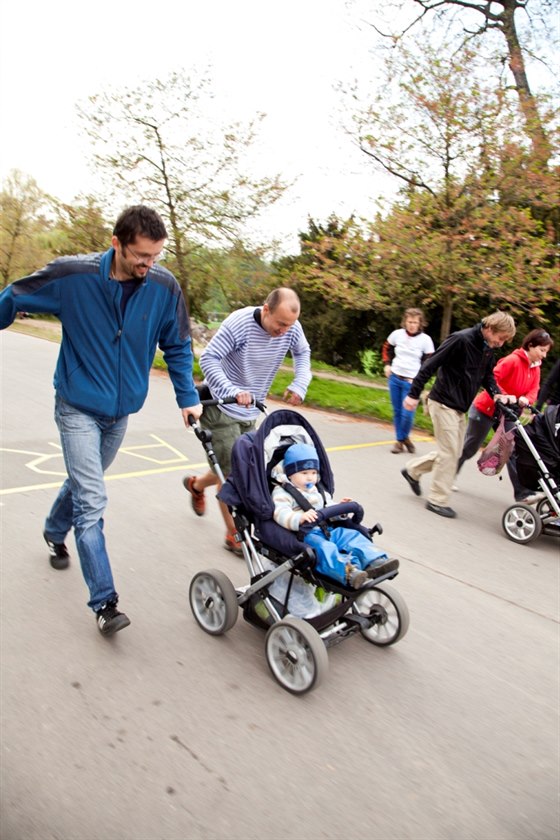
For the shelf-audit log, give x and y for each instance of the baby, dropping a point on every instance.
(348, 556)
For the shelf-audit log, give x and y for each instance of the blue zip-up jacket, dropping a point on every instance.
(104, 361)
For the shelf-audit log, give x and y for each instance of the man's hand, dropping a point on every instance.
(192, 411)
(410, 404)
(506, 399)
(244, 398)
(291, 397)
(308, 516)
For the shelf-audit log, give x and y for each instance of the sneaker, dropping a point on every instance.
(398, 447)
(198, 501)
(455, 488)
(58, 554)
(409, 445)
(531, 499)
(441, 510)
(232, 545)
(414, 484)
(357, 577)
(383, 567)
(110, 620)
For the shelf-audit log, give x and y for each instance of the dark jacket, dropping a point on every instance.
(550, 389)
(463, 363)
(104, 361)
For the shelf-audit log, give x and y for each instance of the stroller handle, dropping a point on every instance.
(226, 401)
(511, 413)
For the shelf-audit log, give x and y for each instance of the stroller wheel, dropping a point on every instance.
(213, 601)
(521, 523)
(388, 612)
(296, 655)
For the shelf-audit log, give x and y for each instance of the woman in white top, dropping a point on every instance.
(403, 353)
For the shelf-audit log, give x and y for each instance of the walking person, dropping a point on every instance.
(115, 308)
(463, 362)
(240, 361)
(404, 352)
(518, 374)
(550, 389)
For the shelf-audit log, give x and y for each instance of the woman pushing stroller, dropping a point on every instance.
(343, 553)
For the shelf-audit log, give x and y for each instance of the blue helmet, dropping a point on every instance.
(300, 456)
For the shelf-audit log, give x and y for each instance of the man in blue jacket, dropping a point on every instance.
(115, 308)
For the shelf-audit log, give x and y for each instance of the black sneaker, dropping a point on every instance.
(414, 484)
(58, 554)
(110, 620)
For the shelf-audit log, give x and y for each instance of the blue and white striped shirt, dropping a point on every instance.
(242, 356)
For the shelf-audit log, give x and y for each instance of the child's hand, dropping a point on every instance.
(345, 499)
(308, 516)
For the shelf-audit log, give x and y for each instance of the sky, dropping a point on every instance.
(281, 59)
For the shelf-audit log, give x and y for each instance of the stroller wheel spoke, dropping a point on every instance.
(522, 523)
(213, 601)
(387, 612)
(296, 655)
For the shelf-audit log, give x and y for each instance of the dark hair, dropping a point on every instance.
(537, 338)
(139, 220)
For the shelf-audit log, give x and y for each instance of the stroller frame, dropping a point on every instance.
(296, 648)
(523, 523)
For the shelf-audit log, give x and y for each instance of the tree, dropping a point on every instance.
(157, 143)
(22, 227)
(80, 228)
(444, 134)
(479, 18)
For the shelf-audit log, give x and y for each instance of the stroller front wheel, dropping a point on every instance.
(521, 523)
(213, 601)
(296, 655)
(388, 613)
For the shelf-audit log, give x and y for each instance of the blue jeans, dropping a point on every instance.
(403, 418)
(346, 545)
(89, 445)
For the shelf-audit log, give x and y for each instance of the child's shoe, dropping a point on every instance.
(356, 577)
(383, 567)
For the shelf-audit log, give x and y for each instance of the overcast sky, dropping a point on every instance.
(281, 59)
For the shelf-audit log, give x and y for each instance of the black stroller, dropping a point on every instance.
(537, 458)
(303, 612)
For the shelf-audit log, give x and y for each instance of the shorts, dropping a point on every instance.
(225, 431)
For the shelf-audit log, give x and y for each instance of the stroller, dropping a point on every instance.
(302, 611)
(537, 458)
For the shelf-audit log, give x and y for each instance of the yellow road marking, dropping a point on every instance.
(160, 470)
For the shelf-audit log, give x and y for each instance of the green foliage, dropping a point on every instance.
(372, 363)
(353, 399)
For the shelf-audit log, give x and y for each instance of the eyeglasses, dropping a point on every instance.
(144, 258)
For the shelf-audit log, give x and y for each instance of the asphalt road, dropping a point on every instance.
(166, 733)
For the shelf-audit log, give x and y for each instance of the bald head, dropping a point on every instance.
(280, 311)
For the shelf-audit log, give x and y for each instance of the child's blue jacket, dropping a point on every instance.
(104, 361)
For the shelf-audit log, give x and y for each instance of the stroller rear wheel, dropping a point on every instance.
(522, 523)
(388, 612)
(213, 601)
(296, 655)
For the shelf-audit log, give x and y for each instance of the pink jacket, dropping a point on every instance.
(514, 375)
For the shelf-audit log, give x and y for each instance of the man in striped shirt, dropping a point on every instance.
(241, 361)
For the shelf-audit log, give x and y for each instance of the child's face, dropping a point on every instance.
(302, 479)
